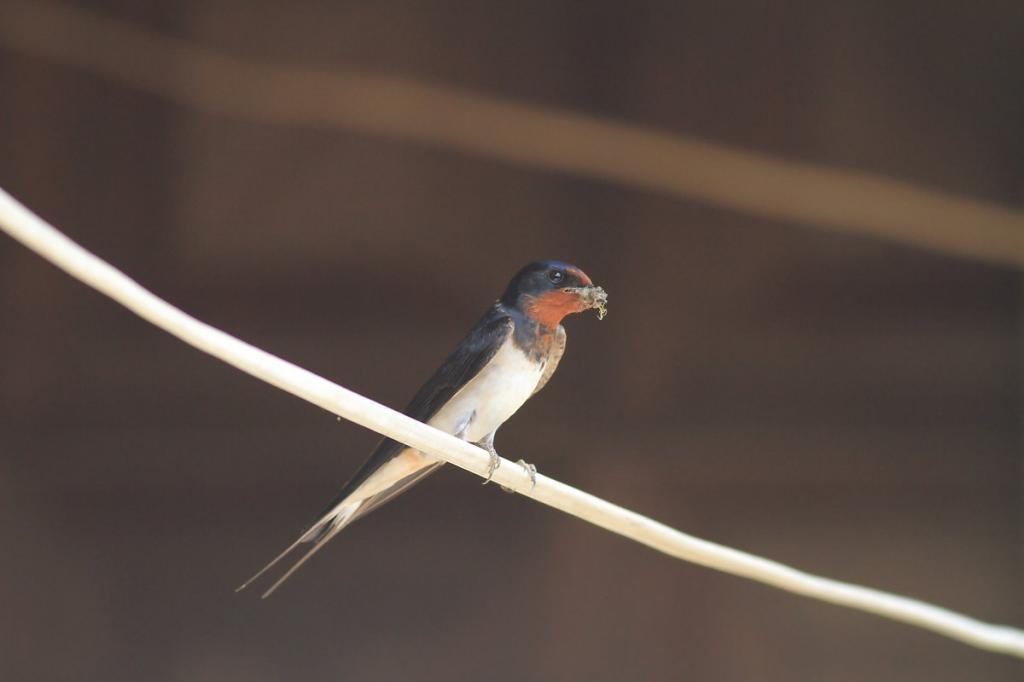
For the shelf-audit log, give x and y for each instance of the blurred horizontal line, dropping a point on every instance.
(514, 132)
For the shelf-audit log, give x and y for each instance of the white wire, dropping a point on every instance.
(49, 243)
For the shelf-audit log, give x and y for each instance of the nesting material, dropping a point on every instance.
(593, 297)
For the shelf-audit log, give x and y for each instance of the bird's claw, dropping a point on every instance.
(531, 471)
(492, 465)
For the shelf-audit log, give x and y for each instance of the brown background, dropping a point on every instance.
(840, 403)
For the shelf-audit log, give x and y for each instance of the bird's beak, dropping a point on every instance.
(591, 296)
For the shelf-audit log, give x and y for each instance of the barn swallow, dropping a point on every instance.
(508, 356)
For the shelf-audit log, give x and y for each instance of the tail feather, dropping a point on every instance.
(319, 534)
(273, 563)
(357, 498)
(305, 557)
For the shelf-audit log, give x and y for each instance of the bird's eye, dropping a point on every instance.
(556, 276)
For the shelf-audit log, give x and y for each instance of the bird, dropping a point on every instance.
(508, 356)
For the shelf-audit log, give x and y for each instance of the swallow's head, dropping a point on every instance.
(548, 290)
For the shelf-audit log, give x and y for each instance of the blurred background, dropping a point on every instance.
(812, 354)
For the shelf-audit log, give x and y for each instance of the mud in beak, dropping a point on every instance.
(591, 297)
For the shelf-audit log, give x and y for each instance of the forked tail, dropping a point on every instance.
(320, 533)
(361, 495)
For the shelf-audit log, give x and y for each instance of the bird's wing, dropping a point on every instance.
(472, 355)
(476, 350)
(396, 489)
(554, 356)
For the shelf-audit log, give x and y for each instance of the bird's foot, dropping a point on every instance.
(495, 462)
(531, 471)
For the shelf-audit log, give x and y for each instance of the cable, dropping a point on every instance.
(48, 242)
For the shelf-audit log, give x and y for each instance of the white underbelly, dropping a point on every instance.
(492, 396)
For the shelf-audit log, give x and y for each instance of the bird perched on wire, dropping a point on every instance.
(508, 356)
